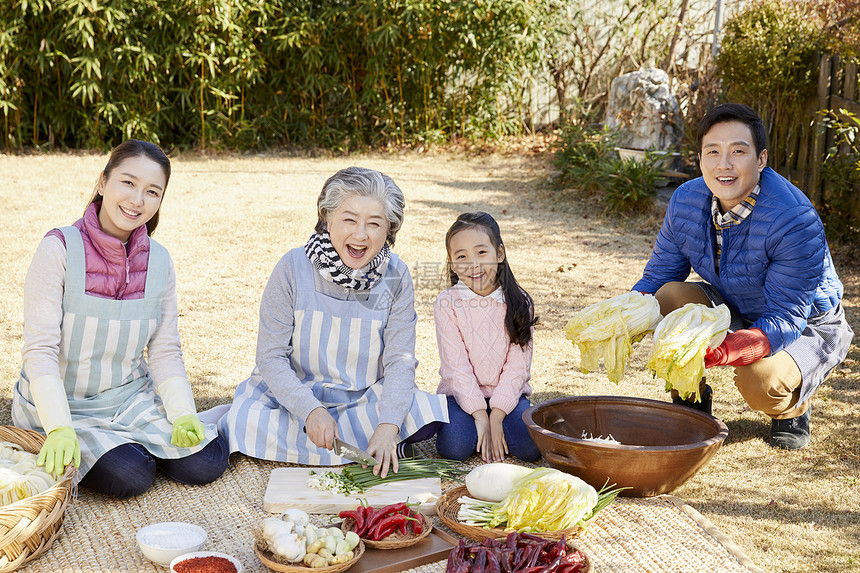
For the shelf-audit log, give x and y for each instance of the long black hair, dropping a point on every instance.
(134, 148)
(519, 314)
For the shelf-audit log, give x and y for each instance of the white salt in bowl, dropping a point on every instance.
(163, 542)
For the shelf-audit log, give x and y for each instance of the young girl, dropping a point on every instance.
(484, 332)
(97, 294)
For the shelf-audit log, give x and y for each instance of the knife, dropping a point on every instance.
(353, 453)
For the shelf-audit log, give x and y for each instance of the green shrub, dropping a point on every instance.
(587, 160)
(841, 29)
(767, 59)
(841, 171)
(580, 155)
(631, 184)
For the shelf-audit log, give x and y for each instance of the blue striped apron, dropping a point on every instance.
(337, 351)
(111, 395)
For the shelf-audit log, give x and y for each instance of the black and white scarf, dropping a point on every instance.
(325, 259)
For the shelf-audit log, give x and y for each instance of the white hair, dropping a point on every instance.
(359, 181)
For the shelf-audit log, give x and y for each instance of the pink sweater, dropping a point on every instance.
(477, 356)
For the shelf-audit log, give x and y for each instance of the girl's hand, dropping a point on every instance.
(321, 428)
(383, 447)
(485, 441)
(497, 432)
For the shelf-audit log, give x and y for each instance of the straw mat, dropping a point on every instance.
(658, 535)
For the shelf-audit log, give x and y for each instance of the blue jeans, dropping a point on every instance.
(458, 438)
(129, 469)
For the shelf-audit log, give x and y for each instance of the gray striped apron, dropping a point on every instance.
(337, 350)
(111, 395)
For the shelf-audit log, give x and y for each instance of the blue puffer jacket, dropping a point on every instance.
(775, 266)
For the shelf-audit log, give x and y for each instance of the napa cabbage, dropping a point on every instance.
(608, 329)
(680, 342)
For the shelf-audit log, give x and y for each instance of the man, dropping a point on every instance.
(759, 244)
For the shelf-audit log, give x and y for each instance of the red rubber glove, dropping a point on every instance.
(739, 349)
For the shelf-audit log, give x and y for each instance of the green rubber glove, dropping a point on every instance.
(60, 448)
(187, 431)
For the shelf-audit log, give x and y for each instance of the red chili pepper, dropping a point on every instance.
(351, 514)
(380, 514)
(385, 531)
(385, 527)
(418, 524)
(576, 557)
(571, 568)
(369, 517)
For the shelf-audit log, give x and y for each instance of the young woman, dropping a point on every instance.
(484, 333)
(336, 341)
(97, 295)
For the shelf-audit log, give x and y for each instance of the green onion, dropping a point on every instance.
(605, 496)
(356, 479)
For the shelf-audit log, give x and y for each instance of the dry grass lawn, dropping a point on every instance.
(226, 221)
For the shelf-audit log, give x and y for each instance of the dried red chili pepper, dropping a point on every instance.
(208, 564)
(493, 565)
(480, 560)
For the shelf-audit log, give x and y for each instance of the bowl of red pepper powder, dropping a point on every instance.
(205, 562)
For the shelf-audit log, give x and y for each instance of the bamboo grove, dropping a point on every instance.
(341, 74)
(246, 74)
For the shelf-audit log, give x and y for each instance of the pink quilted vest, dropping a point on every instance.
(111, 273)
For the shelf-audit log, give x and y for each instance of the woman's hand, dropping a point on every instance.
(383, 447)
(499, 446)
(321, 428)
(485, 440)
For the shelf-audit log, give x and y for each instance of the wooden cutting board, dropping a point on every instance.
(288, 488)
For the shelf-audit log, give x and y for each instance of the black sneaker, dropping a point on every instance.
(706, 404)
(790, 434)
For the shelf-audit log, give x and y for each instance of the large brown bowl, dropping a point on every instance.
(661, 444)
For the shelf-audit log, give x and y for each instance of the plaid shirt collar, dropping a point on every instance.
(737, 214)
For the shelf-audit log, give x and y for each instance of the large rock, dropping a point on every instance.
(642, 106)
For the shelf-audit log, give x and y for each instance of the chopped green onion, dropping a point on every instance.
(356, 479)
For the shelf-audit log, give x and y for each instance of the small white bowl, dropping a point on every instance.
(163, 542)
(236, 563)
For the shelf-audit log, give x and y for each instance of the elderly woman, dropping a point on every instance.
(336, 343)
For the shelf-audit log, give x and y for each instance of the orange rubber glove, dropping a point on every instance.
(739, 349)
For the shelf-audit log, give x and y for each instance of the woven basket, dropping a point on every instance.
(29, 526)
(269, 561)
(393, 541)
(447, 508)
